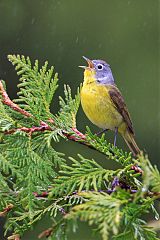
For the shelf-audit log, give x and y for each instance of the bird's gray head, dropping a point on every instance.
(102, 71)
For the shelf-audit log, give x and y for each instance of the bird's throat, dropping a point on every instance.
(89, 76)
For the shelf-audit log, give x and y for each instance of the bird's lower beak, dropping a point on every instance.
(90, 63)
(82, 67)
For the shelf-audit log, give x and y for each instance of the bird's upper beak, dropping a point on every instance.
(90, 63)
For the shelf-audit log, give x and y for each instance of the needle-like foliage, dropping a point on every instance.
(101, 209)
(37, 181)
(37, 86)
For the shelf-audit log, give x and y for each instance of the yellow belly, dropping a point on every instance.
(98, 106)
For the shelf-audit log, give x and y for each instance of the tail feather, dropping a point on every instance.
(129, 139)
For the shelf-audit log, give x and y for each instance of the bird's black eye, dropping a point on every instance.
(100, 66)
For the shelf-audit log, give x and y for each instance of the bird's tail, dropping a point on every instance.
(129, 139)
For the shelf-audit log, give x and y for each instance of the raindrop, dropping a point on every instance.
(99, 45)
(33, 20)
(77, 39)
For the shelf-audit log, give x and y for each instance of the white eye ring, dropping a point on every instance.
(100, 66)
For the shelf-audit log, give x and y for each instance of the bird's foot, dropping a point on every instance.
(115, 136)
(104, 130)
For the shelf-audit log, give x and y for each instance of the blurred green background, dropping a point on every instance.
(124, 33)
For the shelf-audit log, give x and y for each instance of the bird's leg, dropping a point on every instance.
(115, 136)
(104, 130)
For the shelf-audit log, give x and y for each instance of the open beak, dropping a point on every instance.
(90, 63)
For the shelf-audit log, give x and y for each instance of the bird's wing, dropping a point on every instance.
(121, 107)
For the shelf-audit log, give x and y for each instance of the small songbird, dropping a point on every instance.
(103, 103)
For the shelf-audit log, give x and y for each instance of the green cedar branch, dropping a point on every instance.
(33, 116)
(43, 126)
(74, 135)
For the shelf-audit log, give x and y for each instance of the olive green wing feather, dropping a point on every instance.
(121, 107)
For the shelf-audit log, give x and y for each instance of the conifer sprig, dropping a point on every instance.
(40, 80)
(37, 181)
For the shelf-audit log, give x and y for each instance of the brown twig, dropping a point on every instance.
(14, 237)
(43, 126)
(41, 195)
(137, 169)
(6, 210)
(7, 101)
(46, 233)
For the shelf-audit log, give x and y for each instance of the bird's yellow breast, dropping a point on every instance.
(97, 104)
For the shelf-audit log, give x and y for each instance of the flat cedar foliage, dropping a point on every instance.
(38, 182)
